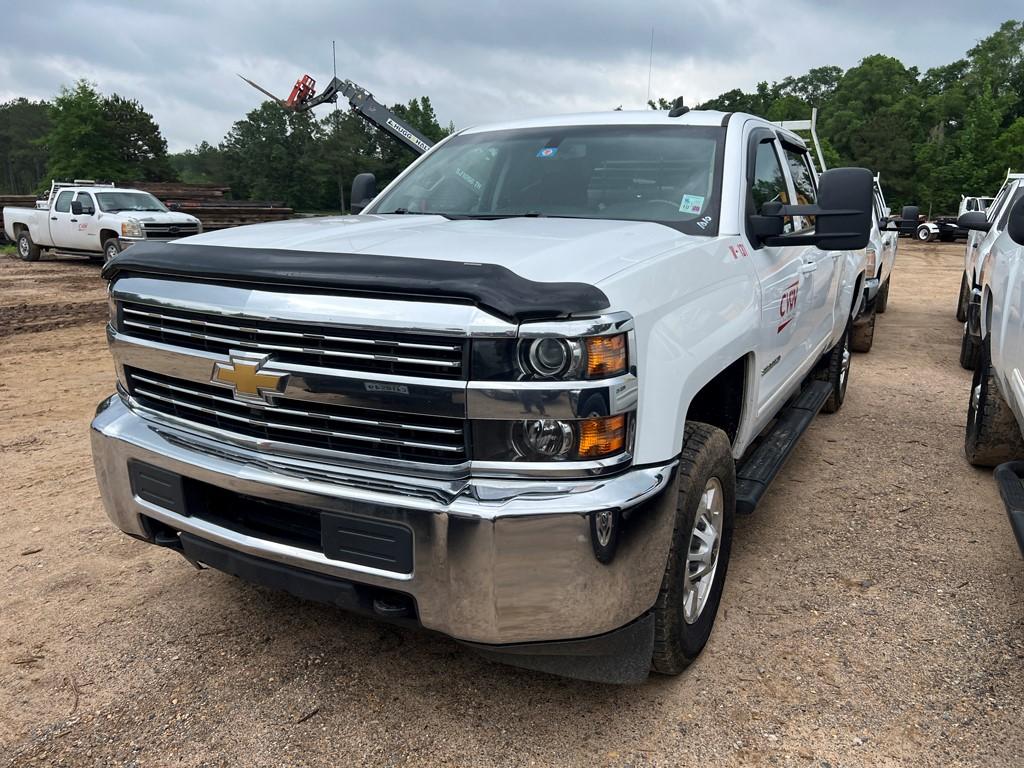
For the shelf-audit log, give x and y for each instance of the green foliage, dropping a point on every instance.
(22, 156)
(97, 137)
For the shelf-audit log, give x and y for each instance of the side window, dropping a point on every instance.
(769, 181)
(1004, 218)
(63, 204)
(88, 209)
(803, 182)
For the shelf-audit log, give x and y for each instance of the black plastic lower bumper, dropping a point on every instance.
(1010, 478)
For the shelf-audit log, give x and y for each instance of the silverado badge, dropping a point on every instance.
(247, 378)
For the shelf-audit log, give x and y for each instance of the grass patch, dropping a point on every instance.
(7, 249)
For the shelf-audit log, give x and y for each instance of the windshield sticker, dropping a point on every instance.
(548, 152)
(469, 179)
(704, 223)
(691, 204)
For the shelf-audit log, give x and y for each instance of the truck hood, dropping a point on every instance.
(540, 249)
(155, 217)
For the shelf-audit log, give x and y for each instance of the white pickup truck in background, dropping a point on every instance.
(95, 220)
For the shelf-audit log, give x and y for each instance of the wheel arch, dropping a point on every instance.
(722, 401)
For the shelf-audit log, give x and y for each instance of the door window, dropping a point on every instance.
(63, 204)
(803, 182)
(88, 209)
(770, 181)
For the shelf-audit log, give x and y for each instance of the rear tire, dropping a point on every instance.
(925, 235)
(970, 351)
(993, 435)
(963, 300)
(684, 613)
(862, 335)
(882, 300)
(27, 250)
(835, 369)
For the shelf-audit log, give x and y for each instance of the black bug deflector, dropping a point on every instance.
(1010, 478)
(491, 287)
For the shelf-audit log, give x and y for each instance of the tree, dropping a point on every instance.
(23, 157)
(141, 149)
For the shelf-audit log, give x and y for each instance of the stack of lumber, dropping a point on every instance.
(212, 205)
(24, 201)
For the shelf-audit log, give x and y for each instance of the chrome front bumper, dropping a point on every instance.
(495, 561)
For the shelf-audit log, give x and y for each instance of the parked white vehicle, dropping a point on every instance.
(95, 220)
(518, 400)
(881, 257)
(946, 228)
(995, 410)
(984, 227)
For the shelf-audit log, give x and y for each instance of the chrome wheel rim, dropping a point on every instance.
(112, 252)
(702, 553)
(844, 368)
(23, 247)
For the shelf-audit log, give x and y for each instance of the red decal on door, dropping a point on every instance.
(738, 251)
(787, 305)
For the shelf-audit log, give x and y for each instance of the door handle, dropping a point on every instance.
(53, 218)
(75, 220)
(808, 267)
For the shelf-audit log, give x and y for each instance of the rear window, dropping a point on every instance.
(63, 203)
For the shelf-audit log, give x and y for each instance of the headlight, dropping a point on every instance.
(872, 261)
(551, 439)
(132, 228)
(550, 358)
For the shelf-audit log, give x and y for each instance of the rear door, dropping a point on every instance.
(62, 228)
(782, 276)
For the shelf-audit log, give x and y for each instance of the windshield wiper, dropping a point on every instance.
(527, 215)
(406, 211)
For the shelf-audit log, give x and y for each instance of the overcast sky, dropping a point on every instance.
(478, 61)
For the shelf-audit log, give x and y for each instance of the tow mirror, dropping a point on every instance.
(76, 208)
(843, 213)
(1015, 226)
(974, 220)
(364, 189)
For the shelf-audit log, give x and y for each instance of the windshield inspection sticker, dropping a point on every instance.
(691, 204)
(548, 152)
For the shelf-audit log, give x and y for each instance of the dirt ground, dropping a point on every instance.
(873, 614)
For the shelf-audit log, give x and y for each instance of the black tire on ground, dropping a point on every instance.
(110, 249)
(992, 434)
(963, 300)
(882, 300)
(862, 334)
(924, 234)
(27, 250)
(970, 351)
(678, 638)
(835, 369)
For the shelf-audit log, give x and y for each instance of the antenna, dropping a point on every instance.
(650, 68)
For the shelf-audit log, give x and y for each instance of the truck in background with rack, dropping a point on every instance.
(84, 218)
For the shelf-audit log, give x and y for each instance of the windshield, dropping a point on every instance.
(666, 174)
(112, 202)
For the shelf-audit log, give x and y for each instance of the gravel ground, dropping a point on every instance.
(872, 616)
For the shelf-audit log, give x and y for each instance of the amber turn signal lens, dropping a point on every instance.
(602, 437)
(606, 356)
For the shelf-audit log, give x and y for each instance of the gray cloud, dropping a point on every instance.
(478, 61)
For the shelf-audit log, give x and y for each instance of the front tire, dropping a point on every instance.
(963, 300)
(993, 435)
(970, 350)
(835, 369)
(882, 300)
(698, 559)
(27, 250)
(862, 335)
(110, 249)
(925, 235)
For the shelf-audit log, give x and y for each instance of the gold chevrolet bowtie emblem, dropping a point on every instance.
(246, 377)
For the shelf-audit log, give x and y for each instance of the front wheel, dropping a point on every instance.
(27, 250)
(862, 335)
(992, 436)
(970, 350)
(110, 249)
(882, 300)
(925, 235)
(963, 300)
(835, 369)
(691, 589)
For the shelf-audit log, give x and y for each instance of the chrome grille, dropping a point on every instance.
(170, 230)
(377, 352)
(301, 422)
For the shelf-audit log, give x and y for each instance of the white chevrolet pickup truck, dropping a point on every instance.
(517, 400)
(995, 409)
(95, 220)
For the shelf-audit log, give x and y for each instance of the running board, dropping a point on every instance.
(758, 469)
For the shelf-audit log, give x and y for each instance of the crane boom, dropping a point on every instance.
(304, 97)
